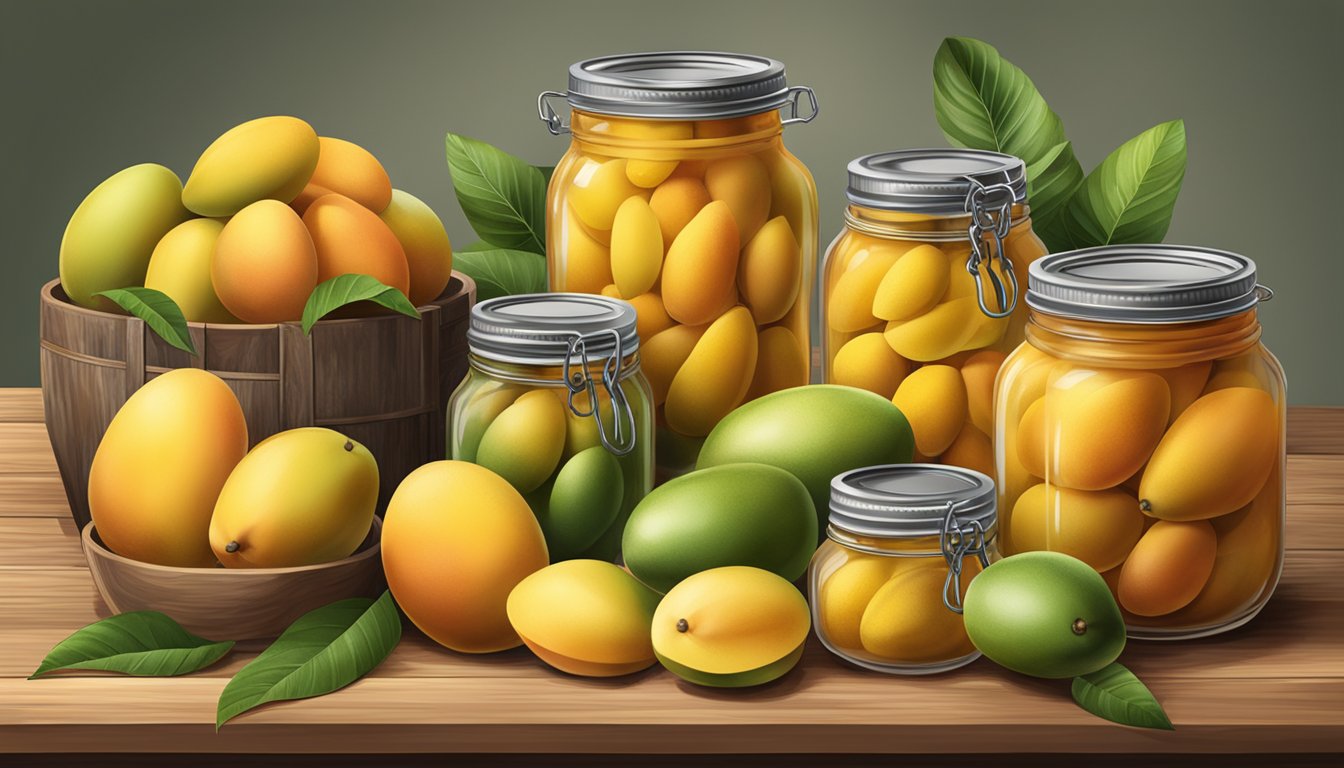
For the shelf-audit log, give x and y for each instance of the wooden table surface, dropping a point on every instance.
(1274, 686)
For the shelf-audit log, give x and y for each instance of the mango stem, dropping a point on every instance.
(231, 547)
(349, 446)
(683, 626)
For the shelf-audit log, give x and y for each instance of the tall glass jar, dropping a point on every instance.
(677, 195)
(904, 542)
(1140, 429)
(555, 403)
(920, 292)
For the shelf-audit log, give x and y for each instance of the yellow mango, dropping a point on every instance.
(907, 622)
(742, 183)
(586, 263)
(1098, 527)
(1168, 567)
(1245, 370)
(793, 194)
(350, 238)
(700, 271)
(971, 449)
(649, 173)
(1215, 458)
(636, 248)
(524, 443)
(351, 170)
(933, 399)
(942, 331)
(611, 291)
(429, 253)
(267, 158)
(675, 202)
(597, 191)
(868, 362)
(978, 372)
(1031, 451)
(770, 272)
(180, 268)
(913, 285)
(715, 377)
(265, 266)
(1186, 383)
(664, 354)
(650, 316)
(648, 130)
(780, 362)
(849, 307)
(846, 593)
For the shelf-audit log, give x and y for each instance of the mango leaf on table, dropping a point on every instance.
(503, 197)
(158, 311)
(331, 295)
(1115, 694)
(502, 272)
(1130, 197)
(323, 651)
(140, 643)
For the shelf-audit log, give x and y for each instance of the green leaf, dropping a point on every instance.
(323, 651)
(547, 171)
(1114, 693)
(479, 245)
(140, 643)
(983, 101)
(1130, 197)
(159, 312)
(503, 197)
(1051, 182)
(501, 272)
(331, 295)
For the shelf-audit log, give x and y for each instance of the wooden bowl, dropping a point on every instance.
(232, 603)
(382, 380)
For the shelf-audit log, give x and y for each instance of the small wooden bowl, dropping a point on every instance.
(230, 603)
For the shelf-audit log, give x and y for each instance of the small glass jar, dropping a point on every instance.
(677, 195)
(555, 403)
(904, 542)
(1140, 429)
(920, 291)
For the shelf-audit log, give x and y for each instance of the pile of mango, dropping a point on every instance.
(1167, 481)
(270, 210)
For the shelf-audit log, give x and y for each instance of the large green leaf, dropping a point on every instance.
(323, 651)
(159, 312)
(1114, 693)
(331, 295)
(502, 272)
(1130, 197)
(141, 643)
(503, 197)
(1052, 181)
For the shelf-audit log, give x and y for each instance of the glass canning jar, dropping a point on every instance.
(1140, 429)
(555, 403)
(678, 195)
(904, 542)
(920, 290)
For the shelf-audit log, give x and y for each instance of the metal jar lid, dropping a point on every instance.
(933, 180)
(552, 328)
(910, 500)
(1144, 284)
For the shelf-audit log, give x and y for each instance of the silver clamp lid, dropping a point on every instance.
(678, 85)
(1144, 284)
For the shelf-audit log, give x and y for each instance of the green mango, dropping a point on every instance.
(583, 501)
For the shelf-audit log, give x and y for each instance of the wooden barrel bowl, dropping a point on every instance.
(383, 381)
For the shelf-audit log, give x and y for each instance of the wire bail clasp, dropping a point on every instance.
(554, 122)
(957, 543)
(991, 210)
(622, 440)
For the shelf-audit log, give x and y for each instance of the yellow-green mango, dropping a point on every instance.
(266, 158)
(524, 443)
(180, 268)
(583, 501)
(476, 414)
(429, 253)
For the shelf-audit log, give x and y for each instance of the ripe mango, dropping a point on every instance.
(584, 263)
(946, 329)
(731, 627)
(715, 377)
(351, 239)
(180, 268)
(265, 266)
(913, 285)
(781, 362)
(473, 415)
(270, 158)
(1215, 457)
(971, 449)
(849, 307)
(663, 355)
(933, 399)
(649, 173)
(699, 274)
(651, 316)
(1168, 567)
(742, 183)
(1098, 527)
(457, 539)
(636, 248)
(300, 497)
(845, 594)
(348, 169)
(675, 202)
(978, 372)
(906, 621)
(868, 362)
(585, 617)
(429, 253)
(582, 502)
(597, 191)
(770, 272)
(1186, 383)
(524, 443)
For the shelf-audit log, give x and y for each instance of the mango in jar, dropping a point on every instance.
(348, 169)
(978, 373)
(849, 307)
(581, 431)
(675, 202)
(264, 266)
(583, 501)
(779, 362)
(846, 593)
(1168, 567)
(597, 191)
(913, 285)
(649, 173)
(429, 253)
(971, 449)
(524, 443)
(351, 239)
(587, 262)
(907, 622)
(478, 413)
(1186, 383)
(942, 331)
(868, 362)
(793, 194)
(933, 399)
(715, 377)
(1098, 527)
(180, 268)
(742, 183)
(1245, 370)
(699, 274)
(770, 271)
(651, 317)
(636, 248)
(269, 158)
(663, 355)
(1215, 458)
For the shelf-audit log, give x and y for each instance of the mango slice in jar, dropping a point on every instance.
(938, 333)
(868, 362)
(743, 184)
(978, 373)
(525, 442)
(850, 305)
(1244, 370)
(649, 173)
(715, 378)
(636, 247)
(597, 191)
(845, 594)
(913, 285)
(1215, 458)
(1186, 383)
(780, 363)
(1098, 527)
(792, 193)
(699, 274)
(933, 400)
(1168, 567)
(650, 316)
(479, 412)
(587, 262)
(675, 202)
(662, 355)
(770, 271)
(971, 449)
(906, 621)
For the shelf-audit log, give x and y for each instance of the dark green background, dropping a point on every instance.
(89, 88)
